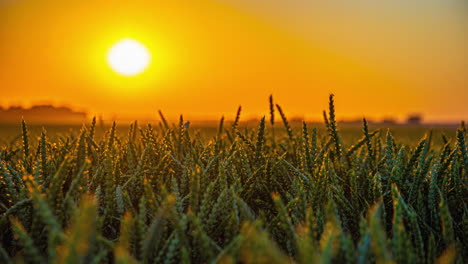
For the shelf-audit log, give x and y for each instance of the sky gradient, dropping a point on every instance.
(380, 58)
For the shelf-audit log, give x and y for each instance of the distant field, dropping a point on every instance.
(408, 135)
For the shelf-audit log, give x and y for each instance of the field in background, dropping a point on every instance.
(408, 135)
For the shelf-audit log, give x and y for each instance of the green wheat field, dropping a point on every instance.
(275, 192)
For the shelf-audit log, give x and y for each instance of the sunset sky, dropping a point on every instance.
(380, 58)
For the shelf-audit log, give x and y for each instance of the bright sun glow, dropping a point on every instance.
(128, 57)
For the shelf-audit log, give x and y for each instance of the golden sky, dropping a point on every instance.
(380, 58)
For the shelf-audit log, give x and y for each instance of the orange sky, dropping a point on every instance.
(209, 56)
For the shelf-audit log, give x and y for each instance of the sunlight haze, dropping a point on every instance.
(380, 58)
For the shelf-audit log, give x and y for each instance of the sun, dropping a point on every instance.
(128, 57)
